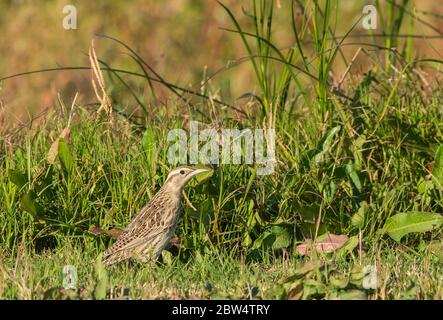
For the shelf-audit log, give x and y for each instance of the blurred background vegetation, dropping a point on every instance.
(183, 40)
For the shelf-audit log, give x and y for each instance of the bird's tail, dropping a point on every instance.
(110, 259)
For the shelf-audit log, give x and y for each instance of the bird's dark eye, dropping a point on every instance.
(182, 172)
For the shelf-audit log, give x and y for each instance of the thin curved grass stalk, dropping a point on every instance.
(123, 71)
(134, 95)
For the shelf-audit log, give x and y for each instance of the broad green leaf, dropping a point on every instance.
(401, 224)
(357, 275)
(313, 288)
(204, 175)
(339, 282)
(358, 219)
(353, 175)
(423, 186)
(265, 241)
(101, 279)
(28, 203)
(20, 157)
(437, 172)
(331, 188)
(65, 156)
(149, 143)
(357, 152)
(252, 221)
(303, 270)
(348, 247)
(167, 257)
(283, 235)
(329, 139)
(351, 295)
(17, 178)
(327, 143)
(246, 240)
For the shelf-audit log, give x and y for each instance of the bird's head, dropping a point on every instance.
(179, 177)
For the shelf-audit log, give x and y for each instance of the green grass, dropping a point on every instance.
(110, 180)
(216, 274)
(348, 159)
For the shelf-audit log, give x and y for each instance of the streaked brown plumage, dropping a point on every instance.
(151, 229)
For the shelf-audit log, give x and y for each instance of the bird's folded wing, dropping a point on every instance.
(138, 239)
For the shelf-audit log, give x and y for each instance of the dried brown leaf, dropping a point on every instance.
(113, 233)
(53, 150)
(96, 230)
(331, 243)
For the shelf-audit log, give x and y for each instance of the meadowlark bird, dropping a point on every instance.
(151, 229)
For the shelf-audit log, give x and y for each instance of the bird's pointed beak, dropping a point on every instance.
(197, 171)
